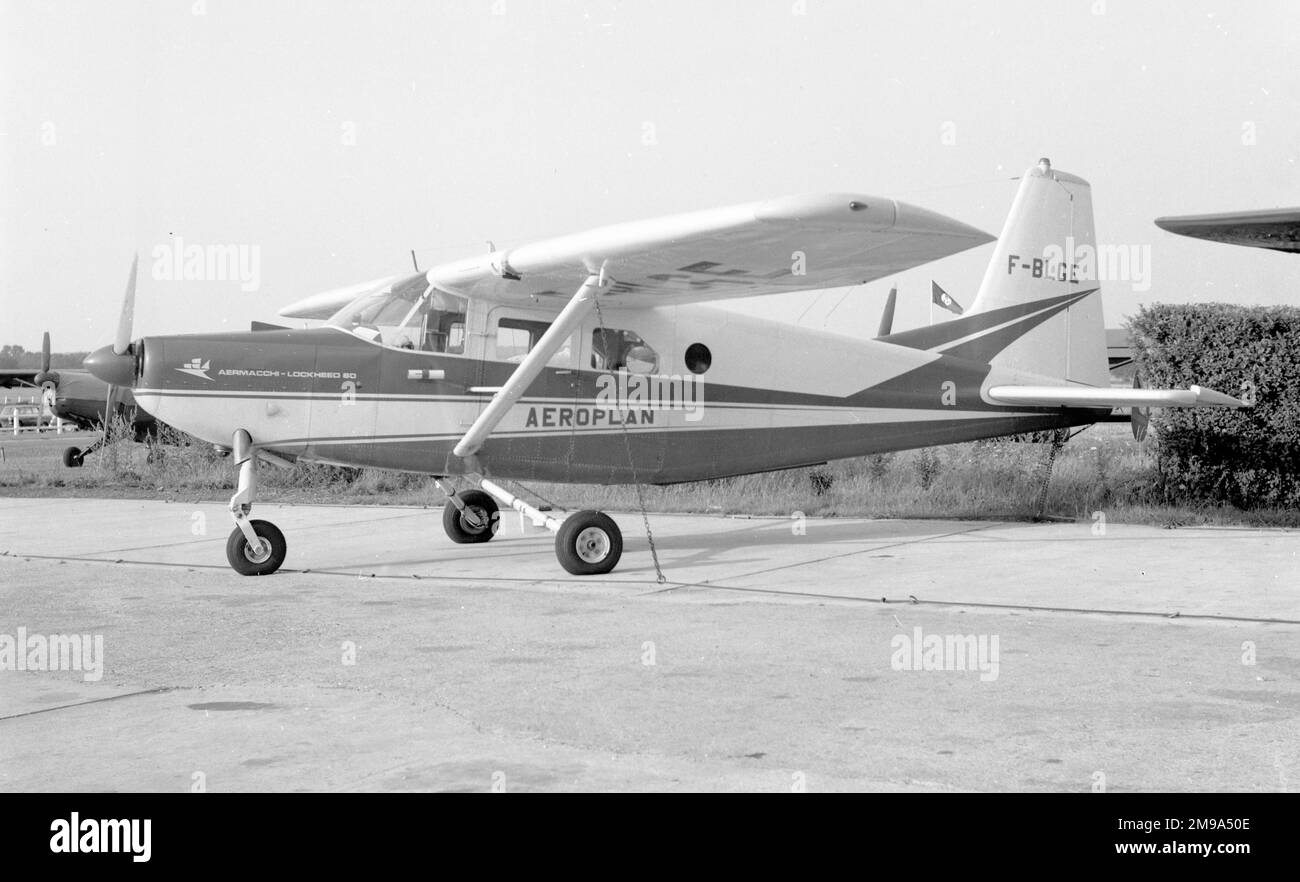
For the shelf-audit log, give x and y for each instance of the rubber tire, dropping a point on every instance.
(566, 539)
(240, 563)
(460, 532)
(72, 457)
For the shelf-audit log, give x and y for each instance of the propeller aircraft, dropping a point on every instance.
(597, 358)
(78, 397)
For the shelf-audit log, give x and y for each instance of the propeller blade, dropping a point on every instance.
(123, 340)
(47, 378)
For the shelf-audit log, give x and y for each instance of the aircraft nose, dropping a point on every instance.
(114, 369)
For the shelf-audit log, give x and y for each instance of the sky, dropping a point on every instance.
(325, 140)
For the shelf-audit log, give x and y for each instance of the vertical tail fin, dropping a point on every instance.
(1041, 278)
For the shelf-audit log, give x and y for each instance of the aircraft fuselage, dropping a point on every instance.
(773, 396)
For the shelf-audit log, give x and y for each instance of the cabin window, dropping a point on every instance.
(516, 337)
(617, 350)
(445, 332)
(698, 358)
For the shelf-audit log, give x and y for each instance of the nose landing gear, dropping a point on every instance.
(255, 548)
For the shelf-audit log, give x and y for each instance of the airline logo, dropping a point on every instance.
(196, 367)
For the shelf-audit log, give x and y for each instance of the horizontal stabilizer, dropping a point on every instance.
(1098, 396)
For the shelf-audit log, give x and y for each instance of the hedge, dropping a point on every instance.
(1247, 457)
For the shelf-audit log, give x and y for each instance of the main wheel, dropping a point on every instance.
(588, 543)
(263, 561)
(460, 530)
(72, 457)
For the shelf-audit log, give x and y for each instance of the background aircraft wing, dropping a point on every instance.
(326, 303)
(16, 376)
(1278, 229)
(789, 244)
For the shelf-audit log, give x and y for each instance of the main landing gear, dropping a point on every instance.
(255, 548)
(587, 543)
(75, 457)
(470, 516)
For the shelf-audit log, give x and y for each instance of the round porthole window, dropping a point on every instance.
(698, 358)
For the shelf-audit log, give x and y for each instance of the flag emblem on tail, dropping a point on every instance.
(942, 298)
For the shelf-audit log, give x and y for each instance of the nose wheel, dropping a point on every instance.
(260, 560)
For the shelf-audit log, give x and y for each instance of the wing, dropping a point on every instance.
(1095, 396)
(1277, 229)
(791, 244)
(19, 376)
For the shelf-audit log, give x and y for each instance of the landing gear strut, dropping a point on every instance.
(255, 548)
(587, 543)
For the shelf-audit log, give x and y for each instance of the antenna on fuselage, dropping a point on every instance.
(887, 317)
(415, 263)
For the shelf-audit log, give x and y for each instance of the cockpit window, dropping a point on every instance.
(409, 315)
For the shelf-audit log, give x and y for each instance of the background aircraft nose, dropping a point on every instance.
(113, 369)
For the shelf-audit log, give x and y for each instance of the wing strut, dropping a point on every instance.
(568, 321)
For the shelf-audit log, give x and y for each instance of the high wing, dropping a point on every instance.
(1277, 229)
(789, 244)
(1096, 396)
(794, 243)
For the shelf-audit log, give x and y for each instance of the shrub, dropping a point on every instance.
(927, 466)
(1248, 457)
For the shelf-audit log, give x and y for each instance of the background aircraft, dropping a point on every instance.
(78, 397)
(1277, 229)
(594, 358)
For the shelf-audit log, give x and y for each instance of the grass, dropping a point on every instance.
(1101, 470)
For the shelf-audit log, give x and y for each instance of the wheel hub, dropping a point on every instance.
(260, 554)
(479, 514)
(592, 545)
